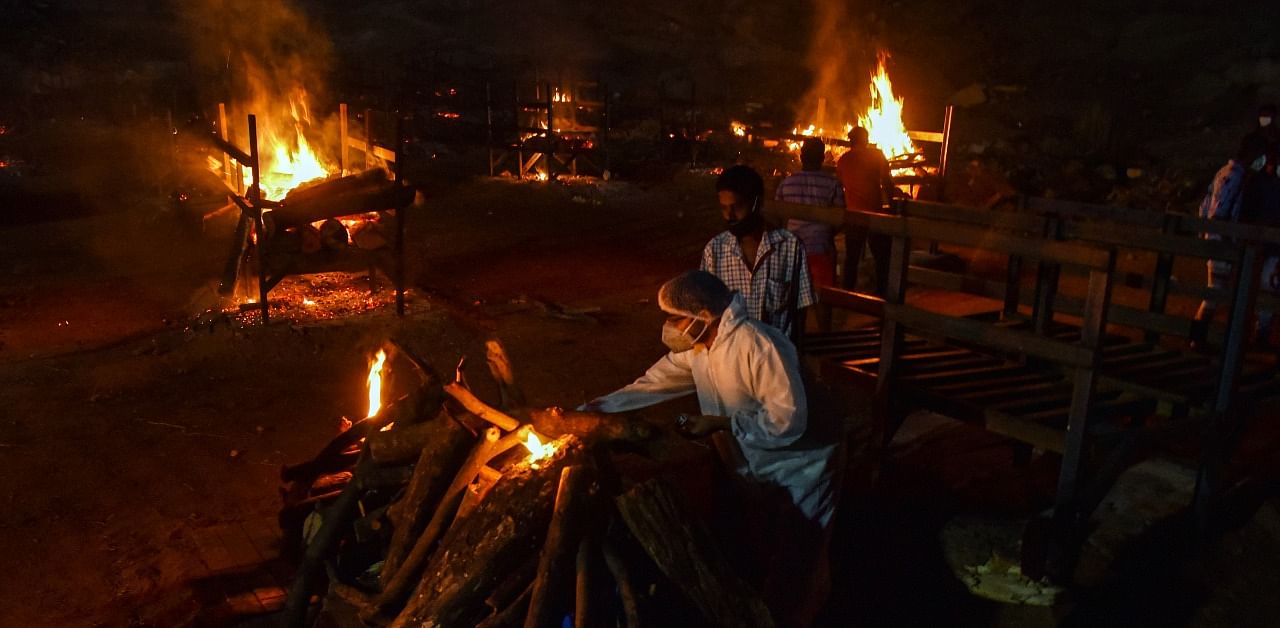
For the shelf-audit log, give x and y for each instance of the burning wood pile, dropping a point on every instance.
(437, 509)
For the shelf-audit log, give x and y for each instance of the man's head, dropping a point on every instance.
(858, 137)
(1252, 152)
(812, 153)
(741, 192)
(694, 300)
(1266, 114)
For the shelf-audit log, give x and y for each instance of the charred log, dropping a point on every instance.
(497, 538)
(686, 553)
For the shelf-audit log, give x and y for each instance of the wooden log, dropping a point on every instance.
(626, 585)
(512, 614)
(500, 368)
(398, 582)
(404, 443)
(403, 409)
(476, 491)
(361, 193)
(310, 239)
(513, 586)
(333, 235)
(439, 460)
(550, 593)
(685, 552)
(337, 521)
(591, 427)
(582, 584)
(479, 408)
(499, 536)
(369, 236)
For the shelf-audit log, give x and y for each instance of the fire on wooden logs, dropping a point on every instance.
(500, 530)
(369, 191)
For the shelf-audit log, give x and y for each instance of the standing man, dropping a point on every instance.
(1223, 201)
(864, 172)
(813, 186)
(749, 384)
(766, 265)
(1267, 127)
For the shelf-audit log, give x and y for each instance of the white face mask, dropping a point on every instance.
(1258, 163)
(680, 340)
(1264, 121)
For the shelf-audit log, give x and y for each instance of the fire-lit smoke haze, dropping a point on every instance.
(272, 61)
(840, 60)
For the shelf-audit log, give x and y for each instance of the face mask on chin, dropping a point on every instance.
(680, 340)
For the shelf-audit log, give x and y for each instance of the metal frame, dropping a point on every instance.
(543, 142)
(253, 207)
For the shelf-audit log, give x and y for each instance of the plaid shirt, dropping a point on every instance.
(777, 288)
(812, 187)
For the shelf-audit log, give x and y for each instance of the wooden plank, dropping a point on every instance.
(978, 238)
(1009, 340)
(967, 375)
(926, 136)
(952, 364)
(1122, 215)
(849, 300)
(1148, 240)
(1030, 432)
(1005, 393)
(1027, 377)
(992, 218)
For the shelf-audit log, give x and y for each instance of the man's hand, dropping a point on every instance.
(700, 425)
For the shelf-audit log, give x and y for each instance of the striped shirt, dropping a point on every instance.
(1222, 202)
(812, 187)
(778, 286)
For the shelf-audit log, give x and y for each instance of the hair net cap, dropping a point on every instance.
(691, 293)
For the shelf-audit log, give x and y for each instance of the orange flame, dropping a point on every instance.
(537, 450)
(738, 128)
(883, 119)
(375, 382)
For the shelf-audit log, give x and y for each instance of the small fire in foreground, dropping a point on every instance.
(375, 382)
(537, 450)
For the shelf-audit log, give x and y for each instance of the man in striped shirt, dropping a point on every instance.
(1222, 202)
(813, 186)
(766, 265)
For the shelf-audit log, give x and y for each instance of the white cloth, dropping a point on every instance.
(751, 374)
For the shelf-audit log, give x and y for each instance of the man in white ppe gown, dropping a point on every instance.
(748, 380)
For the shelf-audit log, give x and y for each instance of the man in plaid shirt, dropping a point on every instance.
(812, 186)
(766, 265)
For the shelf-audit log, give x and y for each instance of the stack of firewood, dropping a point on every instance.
(435, 512)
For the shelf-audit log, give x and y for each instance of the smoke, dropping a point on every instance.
(264, 57)
(840, 55)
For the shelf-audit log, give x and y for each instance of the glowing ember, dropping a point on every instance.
(738, 128)
(308, 302)
(375, 383)
(537, 450)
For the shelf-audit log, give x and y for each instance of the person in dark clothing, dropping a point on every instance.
(864, 172)
(1268, 128)
(1260, 205)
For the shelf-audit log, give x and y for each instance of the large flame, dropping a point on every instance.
(883, 118)
(286, 158)
(375, 383)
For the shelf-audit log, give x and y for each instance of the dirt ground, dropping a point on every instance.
(129, 427)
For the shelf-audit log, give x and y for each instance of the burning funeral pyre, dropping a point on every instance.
(437, 509)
